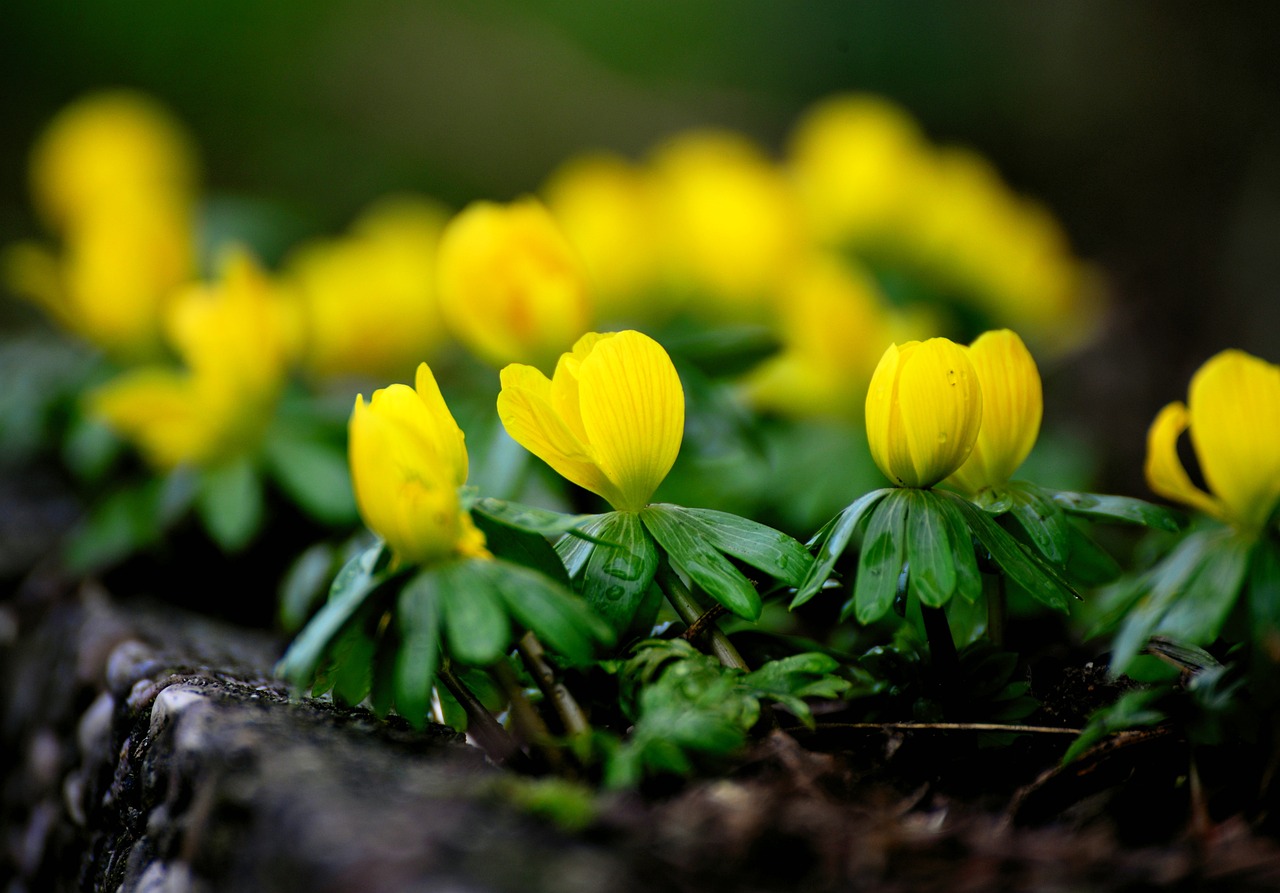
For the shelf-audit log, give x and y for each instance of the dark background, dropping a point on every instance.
(1150, 128)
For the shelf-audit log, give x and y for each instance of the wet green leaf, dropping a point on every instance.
(533, 520)
(522, 547)
(1042, 520)
(615, 578)
(416, 660)
(684, 540)
(930, 557)
(473, 612)
(764, 548)
(832, 540)
(560, 619)
(960, 540)
(883, 555)
(1117, 508)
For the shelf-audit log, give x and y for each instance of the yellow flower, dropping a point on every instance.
(408, 459)
(924, 410)
(1233, 412)
(234, 339)
(731, 223)
(369, 300)
(610, 419)
(605, 207)
(1012, 404)
(511, 287)
(108, 148)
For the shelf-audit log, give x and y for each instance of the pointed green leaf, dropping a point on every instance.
(1197, 614)
(1088, 564)
(529, 549)
(968, 578)
(414, 670)
(531, 519)
(1043, 521)
(832, 540)
(357, 579)
(615, 580)
(575, 550)
(1117, 508)
(556, 616)
(473, 612)
(764, 548)
(1022, 566)
(684, 541)
(382, 687)
(230, 503)
(314, 475)
(304, 584)
(352, 664)
(932, 566)
(884, 551)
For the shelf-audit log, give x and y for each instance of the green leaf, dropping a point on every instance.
(764, 548)
(357, 579)
(533, 520)
(304, 585)
(931, 562)
(1043, 521)
(960, 539)
(529, 549)
(382, 685)
(352, 674)
(476, 624)
(615, 578)
(832, 540)
(1264, 590)
(1197, 614)
(314, 475)
(1117, 508)
(560, 619)
(883, 555)
(414, 671)
(230, 503)
(683, 538)
(1021, 565)
(1088, 564)
(1133, 709)
(121, 524)
(575, 550)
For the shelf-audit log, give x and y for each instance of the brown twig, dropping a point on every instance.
(535, 661)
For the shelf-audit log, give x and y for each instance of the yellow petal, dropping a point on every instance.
(1012, 406)
(160, 411)
(881, 409)
(526, 411)
(1165, 474)
(632, 407)
(1234, 407)
(450, 442)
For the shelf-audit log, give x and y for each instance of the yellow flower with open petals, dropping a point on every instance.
(1233, 412)
(511, 287)
(611, 418)
(408, 459)
(1012, 405)
(924, 411)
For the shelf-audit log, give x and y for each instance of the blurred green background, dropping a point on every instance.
(1150, 128)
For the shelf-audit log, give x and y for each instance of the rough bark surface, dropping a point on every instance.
(151, 751)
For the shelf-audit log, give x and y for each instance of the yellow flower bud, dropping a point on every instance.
(1012, 404)
(233, 337)
(369, 299)
(408, 460)
(924, 410)
(611, 418)
(511, 287)
(1233, 412)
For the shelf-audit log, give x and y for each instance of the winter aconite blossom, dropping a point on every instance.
(610, 420)
(924, 411)
(1012, 404)
(408, 460)
(235, 339)
(512, 288)
(1233, 415)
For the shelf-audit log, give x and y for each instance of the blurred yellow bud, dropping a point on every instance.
(924, 411)
(408, 459)
(368, 300)
(856, 161)
(511, 287)
(106, 148)
(731, 224)
(610, 420)
(1233, 413)
(833, 323)
(233, 337)
(605, 207)
(1012, 404)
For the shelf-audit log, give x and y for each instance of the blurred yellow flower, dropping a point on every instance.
(1012, 405)
(408, 459)
(1233, 413)
(924, 411)
(833, 323)
(368, 300)
(511, 287)
(730, 221)
(610, 420)
(856, 160)
(605, 207)
(234, 338)
(109, 148)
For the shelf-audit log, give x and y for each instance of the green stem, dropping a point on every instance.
(691, 613)
(525, 718)
(535, 661)
(942, 649)
(481, 725)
